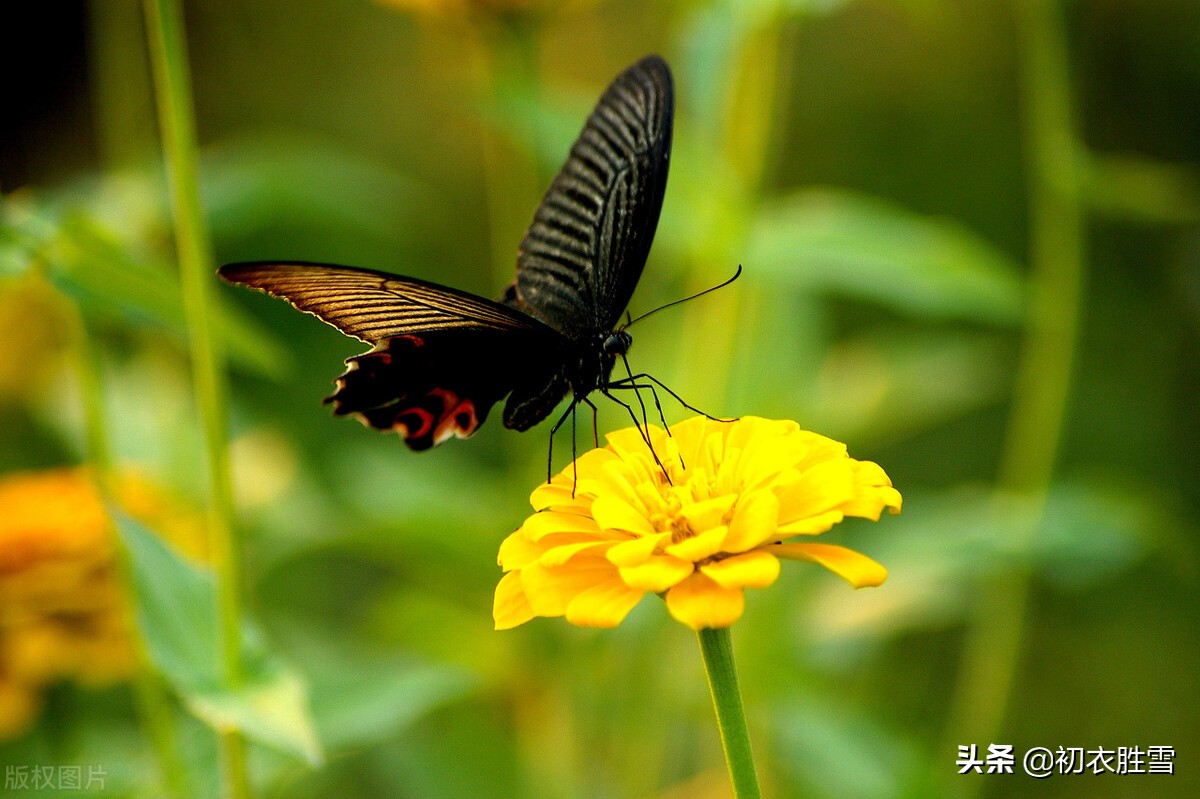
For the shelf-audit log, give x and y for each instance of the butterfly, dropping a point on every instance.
(441, 358)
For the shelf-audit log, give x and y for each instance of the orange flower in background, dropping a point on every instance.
(63, 613)
(739, 496)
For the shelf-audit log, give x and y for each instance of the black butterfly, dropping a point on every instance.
(443, 357)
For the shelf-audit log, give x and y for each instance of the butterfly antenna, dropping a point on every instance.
(695, 296)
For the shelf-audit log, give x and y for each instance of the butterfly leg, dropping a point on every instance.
(643, 376)
(550, 454)
(642, 430)
(574, 448)
(636, 393)
(626, 385)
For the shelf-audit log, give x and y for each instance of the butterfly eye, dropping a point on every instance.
(618, 343)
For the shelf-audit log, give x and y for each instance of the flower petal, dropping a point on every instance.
(603, 605)
(636, 550)
(859, 570)
(813, 525)
(818, 488)
(549, 522)
(757, 569)
(560, 497)
(657, 574)
(517, 551)
(551, 588)
(699, 602)
(873, 492)
(754, 521)
(510, 607)
(611, 513)
(699, 547)
(561, 553)
(708, 513)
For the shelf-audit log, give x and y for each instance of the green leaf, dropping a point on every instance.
(176, 611)
(270, 708)
(856, 246)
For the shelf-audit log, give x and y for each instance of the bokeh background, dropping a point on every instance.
(971, 239)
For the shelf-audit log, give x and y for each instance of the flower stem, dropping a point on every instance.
(173, 92)
(717, 649)
(1057, 272)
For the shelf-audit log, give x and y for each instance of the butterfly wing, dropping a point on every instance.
(584, 252)
(373, 306)
(441, 357)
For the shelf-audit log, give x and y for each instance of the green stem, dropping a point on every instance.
(993, 652)
(717, 649)
(150, 697)
(172, 84)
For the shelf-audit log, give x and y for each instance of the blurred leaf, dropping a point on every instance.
(891, 385)
(942, 544)
(1095, 529)
(832, 750)
(249, 182)
(174, 606)
(270, 708)
(176, 610)
(1141, 189)
(108, 277)
(872, 250)
(374, 701)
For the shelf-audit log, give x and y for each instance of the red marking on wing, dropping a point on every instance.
(404, 427)
(458, 418)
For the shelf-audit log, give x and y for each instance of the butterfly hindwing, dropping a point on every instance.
(583, 254)
(433, 386)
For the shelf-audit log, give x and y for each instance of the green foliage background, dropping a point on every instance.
(874, 167)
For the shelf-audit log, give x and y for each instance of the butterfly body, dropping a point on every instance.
(442, 358)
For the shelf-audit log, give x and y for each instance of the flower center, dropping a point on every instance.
(681, 530)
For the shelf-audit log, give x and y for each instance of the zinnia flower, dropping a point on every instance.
(63, 611)
(611, 527)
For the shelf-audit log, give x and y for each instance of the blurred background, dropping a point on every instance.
(971, 239)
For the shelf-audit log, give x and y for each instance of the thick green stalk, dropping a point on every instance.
(172, 84)
(993, 653)
(717, 649)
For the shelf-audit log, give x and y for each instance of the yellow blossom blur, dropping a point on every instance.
(612, 526)
(32, 337)
(63, 614)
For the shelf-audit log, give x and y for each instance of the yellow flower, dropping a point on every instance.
(63, 613)
(739, 495)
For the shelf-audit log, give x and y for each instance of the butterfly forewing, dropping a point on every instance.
(374, 306)
(584, 252)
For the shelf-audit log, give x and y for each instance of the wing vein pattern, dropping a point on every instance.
(581, 258)
(374, 306)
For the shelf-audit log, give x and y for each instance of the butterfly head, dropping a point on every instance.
(617, 343)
